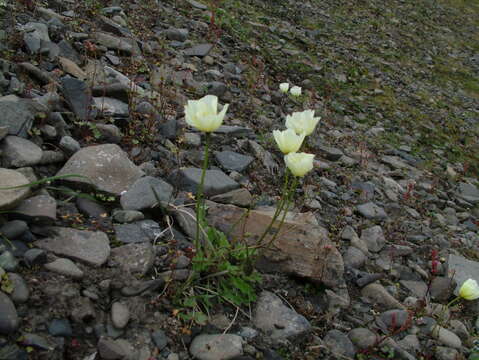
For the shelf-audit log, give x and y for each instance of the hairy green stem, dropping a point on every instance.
(279, 208)
(288, 201)
(199, 195)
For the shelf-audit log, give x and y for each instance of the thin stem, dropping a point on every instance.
(199, 195)
(289, 201)
(453, 301)
(279, 208)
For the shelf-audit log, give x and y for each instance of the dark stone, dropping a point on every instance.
(233, 161)
(60, 327)
(14, 229)
(77, 95)
(159, 338)
(199, 50)
(216, 182)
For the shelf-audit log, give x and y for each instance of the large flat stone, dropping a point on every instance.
(301, 248)
(91, 247)
(10, 198)
(106, 166)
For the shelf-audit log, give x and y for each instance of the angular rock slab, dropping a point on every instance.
(136, 258)
(142, 194)
(40, 208)
(301, 248)
(106, 166)
(462, 269)
(20, 152)
(468, 192)
(17, 114)
(278, 320)
(216, 347)
(78, 96)
(216, 181)
(91, 247)
(10, 198)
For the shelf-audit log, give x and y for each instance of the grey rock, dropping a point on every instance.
(176, 34)
(410, 343)
(363, 338)
(461, 270)
(110, 349)
(372, 211)
(458, 328)
(378, 294)
(120, 315)
(82, 309)
(60, 327)
(8, 261)
(278, 320)
(116, 91)
(65, 267)
(468, 192)
(197, 5)
(339, 344)
(192, 139)
(374, 238)
(216, 88)
(109, 133)
(142, 194)
(91, 208)
(20, 293)
(330, 153)
(417, 288)
(217, 346)
(69, 145)
(20, 152)
(127, 216)
(239, 197)
(35, 257)
(136, 258)
(3, 131)
(199, 50)
(14, 229)
(40, 208)
(140, 231)
(354, 257)
(231, 160)
(445, 353)
(9, 320)
(90, 247)
(105, 166)
(365, 190)
(393, 319)
(159, 338)
(36, 341)
(36, 34)
(78, 96)
(111, 107)
(125, 45)
(446, 337)
(216, 182)
(140, 287)
(67, 51)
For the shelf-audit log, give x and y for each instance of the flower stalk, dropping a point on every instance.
(200, 210)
